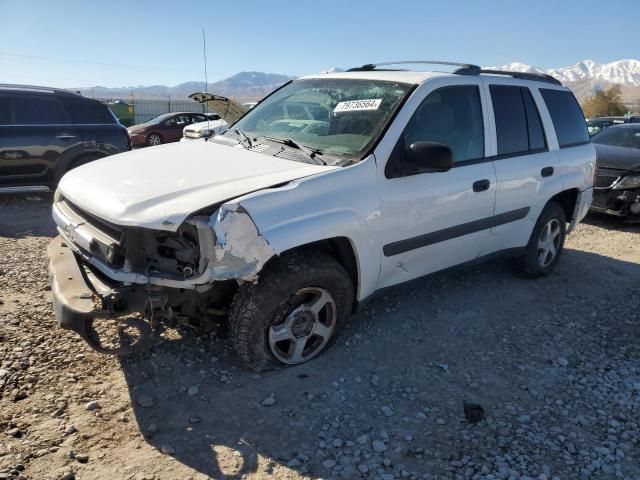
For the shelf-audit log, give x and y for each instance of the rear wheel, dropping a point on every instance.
(546, 243)
(293, 312)
(154, 139)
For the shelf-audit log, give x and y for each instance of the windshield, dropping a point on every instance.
(619, 137)
(339, 117)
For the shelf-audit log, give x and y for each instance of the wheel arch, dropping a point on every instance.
(343, 251)
(154, 132)
(74, 157)
(568, 200)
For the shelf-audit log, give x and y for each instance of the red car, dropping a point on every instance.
(164, 128)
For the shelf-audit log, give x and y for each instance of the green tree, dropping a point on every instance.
(604, 103)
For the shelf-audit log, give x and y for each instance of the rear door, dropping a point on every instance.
(526, 168)
(432, 221)
(33, 135)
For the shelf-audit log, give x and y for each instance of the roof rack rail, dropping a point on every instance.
(538, 77)
(373, 66)
(37, 88)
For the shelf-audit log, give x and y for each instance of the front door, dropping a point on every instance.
(432, 221)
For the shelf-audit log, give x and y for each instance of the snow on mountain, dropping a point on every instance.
(625, 72)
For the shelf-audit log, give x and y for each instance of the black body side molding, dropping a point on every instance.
(420, 241)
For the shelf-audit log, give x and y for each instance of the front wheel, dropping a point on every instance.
(546, 243)
(293, 312)
(154, 139)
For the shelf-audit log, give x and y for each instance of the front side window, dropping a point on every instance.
(337, 117)
(568, 119)
(451, 116)
(38, 110)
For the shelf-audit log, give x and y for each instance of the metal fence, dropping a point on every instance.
(133, 111)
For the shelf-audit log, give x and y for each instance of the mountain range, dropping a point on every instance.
(245, 86)
(583, 78)
(623, 72)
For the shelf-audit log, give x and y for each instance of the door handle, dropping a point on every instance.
(481, 185)
(546, 171)
(65, 136)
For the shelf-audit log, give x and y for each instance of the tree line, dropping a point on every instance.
(605, 103)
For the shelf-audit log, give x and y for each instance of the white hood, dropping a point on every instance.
(159, 187)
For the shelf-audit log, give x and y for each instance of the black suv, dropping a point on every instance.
(45, 132)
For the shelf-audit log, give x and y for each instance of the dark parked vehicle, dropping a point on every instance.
(45, 132)
(164, 128)
(597, 124)
(617, 185)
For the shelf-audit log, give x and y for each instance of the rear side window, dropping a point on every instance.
(88, 112)
(536, 132)
(568, 119)
(518, 125)
(38, 110)
(511, 119)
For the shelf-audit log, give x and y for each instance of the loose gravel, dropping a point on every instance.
(552, 365)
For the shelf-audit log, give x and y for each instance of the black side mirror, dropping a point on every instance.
(424, 157)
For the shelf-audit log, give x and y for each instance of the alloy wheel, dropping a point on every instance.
(549, 242)
(306, 328)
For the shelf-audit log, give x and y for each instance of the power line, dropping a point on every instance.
(84, 62)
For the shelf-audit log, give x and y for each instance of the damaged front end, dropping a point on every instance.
(103, 274)
(617, 192)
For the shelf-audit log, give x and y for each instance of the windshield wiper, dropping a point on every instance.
(310, 153)
(243, 138)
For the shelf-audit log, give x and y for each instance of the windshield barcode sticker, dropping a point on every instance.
(367, 104)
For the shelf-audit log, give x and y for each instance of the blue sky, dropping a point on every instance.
(124, 43)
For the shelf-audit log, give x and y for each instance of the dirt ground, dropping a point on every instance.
(554, 362)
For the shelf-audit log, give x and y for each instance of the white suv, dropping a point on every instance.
(284, 225)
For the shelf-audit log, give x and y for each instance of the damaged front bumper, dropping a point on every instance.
(618, 202)
(80, 299)
(91, 291)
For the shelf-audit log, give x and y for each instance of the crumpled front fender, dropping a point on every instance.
(239, 250)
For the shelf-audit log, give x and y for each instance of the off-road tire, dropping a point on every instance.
(256, 306)
(530, 263)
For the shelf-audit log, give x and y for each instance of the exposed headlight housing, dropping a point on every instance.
(630, 181)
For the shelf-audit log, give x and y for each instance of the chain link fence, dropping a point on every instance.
(133, 111)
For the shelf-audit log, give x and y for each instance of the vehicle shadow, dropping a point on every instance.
(433, 343)
(610, 222)
(26, 216)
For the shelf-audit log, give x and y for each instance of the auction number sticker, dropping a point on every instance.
(353, 105)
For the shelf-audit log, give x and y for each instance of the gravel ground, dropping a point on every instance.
(554, 364)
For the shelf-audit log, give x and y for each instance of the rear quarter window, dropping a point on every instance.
(568, 119)
(88, 112)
